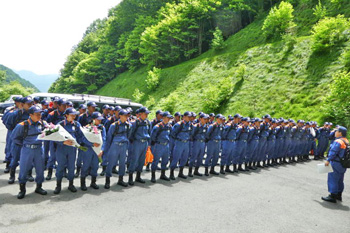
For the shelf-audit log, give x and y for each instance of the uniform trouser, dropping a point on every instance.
(117, 154)
(66, 156)
(160, 151)
(213, 152)
(8, 146)
(227, 152)
(28, 158)
(198, 152)
(279, 147)
(191, 149)
(262, 148)
(322, 146)
(129, 157)
(16, 154)
(104, 159)
(241, 151)
(335, 180)
(80, 159)
(271, 145)
(171, 147)
(289, 147)
(90, 160)
(180, 154)
(52, 158)
(46, 150)
(252, 151)
(314, 147)
(138, 156)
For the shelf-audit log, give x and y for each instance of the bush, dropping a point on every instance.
(320, 11)
(345, 59)
(218, 41)
(279, 20)
(169, 103)
(329, 32)
(337, 102)
(153, 77)
(138, 95)
(14, 88)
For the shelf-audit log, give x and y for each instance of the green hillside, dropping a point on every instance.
(289, 70)
(12, 76)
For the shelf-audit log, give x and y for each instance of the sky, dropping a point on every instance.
(38, 35)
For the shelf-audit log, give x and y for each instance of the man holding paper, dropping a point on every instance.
(336, 178)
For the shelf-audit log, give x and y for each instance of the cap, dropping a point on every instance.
(167, 114)
(177, 114)
(205, 116)
(237, 116)
(34, 109)
(110, 108)
(27, 100)
(267, 116)
(342, 130)
(97, 116)
(71, 111)
(70, 103)
(144, 110)
(123, 112)
(230, 117)
(18, 99)
(211, 115)
(62, 101)
(106, 106)
(91, 104)
(273, 121)
(193, 114)
(137, 111)
(159, 112)
(117, 108)
(219, 116)
(36, 99)
(129, 109)
(187, 113)
(44, 102)
(245, 119)
(82, 106)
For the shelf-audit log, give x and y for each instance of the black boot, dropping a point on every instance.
(131, 179)
(163, 176)
(222, 170)
(49, 174)
(254, 166)
(259, 165)
(108, 182)
(71, 186)
(12, 176)
(139, 179)
(153, 179)
(103, 171)
(7, 168)
(181, 173)
(190, 172)
(228, 169)
(82, 184)
(240, 168)
(246, 167)
(213, 172)
(331, 198)
(22, 192)
(235, 168)
(76, 175)
(40, 190)
(147, 167)
(30, 177)
(172, 176)
(114, 170)
(121, 182)
(339, 197)
(196, 172)
(58, 187)
(93, 183)
(206, 172)
(265, 164)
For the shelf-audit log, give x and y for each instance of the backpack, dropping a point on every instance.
(345, 161)
(115, 133)
(26, 129)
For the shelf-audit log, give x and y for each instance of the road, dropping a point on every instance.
(280, 199)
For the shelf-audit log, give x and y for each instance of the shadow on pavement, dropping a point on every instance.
(333, 206)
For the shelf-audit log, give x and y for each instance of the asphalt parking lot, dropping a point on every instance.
(280, 199)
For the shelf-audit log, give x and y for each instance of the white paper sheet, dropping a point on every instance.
(322, 168)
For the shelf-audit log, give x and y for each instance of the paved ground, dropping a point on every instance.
(280, 199)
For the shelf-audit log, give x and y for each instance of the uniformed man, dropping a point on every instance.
(26, 134)
(44, 115)
(160, 137)
(116, 147)
(253, 143)
(242, 133)
(323, 140)
(181, 132)
(336, 178)
(90, 158)
(140, 138)
(105, 113)
(264, 134)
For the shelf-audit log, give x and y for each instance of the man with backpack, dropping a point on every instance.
(338, 157)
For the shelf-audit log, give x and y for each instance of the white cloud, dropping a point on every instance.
(38, 35)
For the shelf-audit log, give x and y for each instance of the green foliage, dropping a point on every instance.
(320, 11)
(153, 77)
(169, 104)
(2, 76)
(14, 88)
(218, 40)
(279, 20)
(345, 59)
(330, 32)
(338, 103)
(138, 95)
(11, 76)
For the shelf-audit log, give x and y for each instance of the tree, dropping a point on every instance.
(218, 41)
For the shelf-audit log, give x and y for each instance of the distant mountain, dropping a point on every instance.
(12, 76)
(42, 82)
